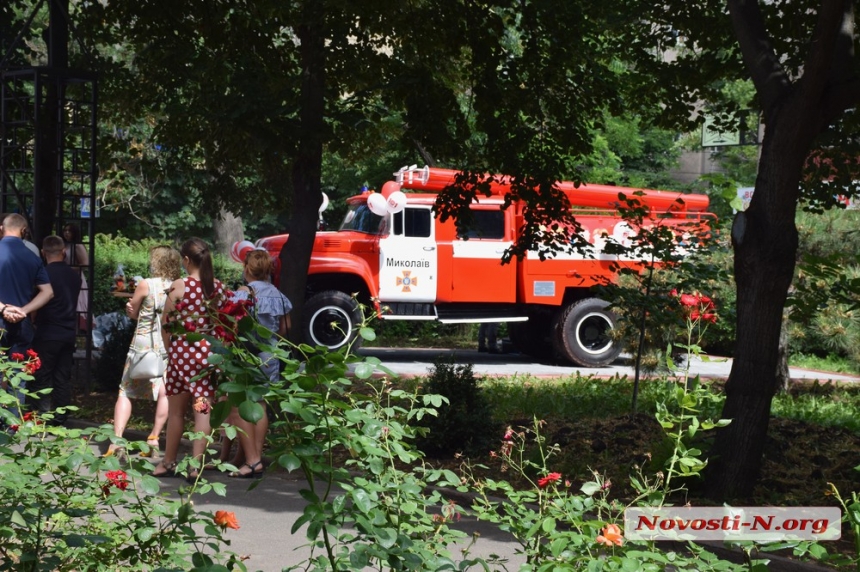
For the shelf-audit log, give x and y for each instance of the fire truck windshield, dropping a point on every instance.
(359, 218)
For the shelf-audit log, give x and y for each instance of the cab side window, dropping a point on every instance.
(413, 222)
(487, 224)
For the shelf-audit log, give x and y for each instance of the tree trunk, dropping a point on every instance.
(307, 170)
(228, 230)
(765, 243)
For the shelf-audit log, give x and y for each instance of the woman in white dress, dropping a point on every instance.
(146, 306)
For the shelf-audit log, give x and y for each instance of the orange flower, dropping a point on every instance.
(226, 519)
(202, 405)
(611, 536)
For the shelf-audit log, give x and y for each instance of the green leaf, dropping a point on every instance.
(145, 533)
(548, 525)
(362, 500)
(364, 370)
(299, 523)
(186, 509)
(251, 411)
(367, 333)
(386, 537)
(75, 541)
(149, 485)
(590, 488)
(17, 519)
(818, 551)
(290, 462)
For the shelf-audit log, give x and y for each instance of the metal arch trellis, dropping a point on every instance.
(48, 173)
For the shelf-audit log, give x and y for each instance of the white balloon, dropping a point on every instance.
(396, 201)
(377, 204)
(324, 204)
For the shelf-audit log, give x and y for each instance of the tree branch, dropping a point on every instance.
(768, 75)
(843, 55)
(824, 58)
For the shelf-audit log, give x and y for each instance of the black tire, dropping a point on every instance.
(532, 337)
(581, 333)
(331, 319)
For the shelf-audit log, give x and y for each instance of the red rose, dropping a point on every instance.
(550, 478)
(689, 300)
(118, 479)
(18, 357)
(32, 354)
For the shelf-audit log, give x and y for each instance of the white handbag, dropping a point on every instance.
(148, 363)
(145, 364)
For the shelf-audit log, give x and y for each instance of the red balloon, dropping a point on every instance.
(389, 187)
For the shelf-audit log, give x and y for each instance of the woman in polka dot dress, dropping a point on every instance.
(191, 301)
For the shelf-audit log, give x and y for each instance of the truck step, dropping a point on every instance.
(463, 313)
(409, 311)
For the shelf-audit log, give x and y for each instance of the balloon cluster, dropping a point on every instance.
(390, 200)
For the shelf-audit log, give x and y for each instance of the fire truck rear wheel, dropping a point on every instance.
(581, 333)
(331, 319)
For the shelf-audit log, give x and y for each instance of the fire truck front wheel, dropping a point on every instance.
(581, 333)
(331, 319)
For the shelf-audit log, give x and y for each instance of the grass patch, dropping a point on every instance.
(575, 397)
(825, 404)
(831, 363)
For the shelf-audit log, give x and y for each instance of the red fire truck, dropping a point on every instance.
(393, 255)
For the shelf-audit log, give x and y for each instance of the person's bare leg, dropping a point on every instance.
(248, 440)
(262, 429)
(176, 406)
(198, 446)
(121, 415)
(161, 408)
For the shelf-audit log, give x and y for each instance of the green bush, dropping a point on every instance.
(111, 251)
(824, 319)
(466, 423)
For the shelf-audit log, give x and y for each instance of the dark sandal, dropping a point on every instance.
(252, 474)
(169, 470)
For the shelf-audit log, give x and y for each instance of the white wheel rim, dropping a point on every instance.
(584, 325)
(319, 324)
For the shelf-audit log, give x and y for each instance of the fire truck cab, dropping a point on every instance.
(392, 254)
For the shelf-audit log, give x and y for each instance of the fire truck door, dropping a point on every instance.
(408, 258)
(477, 270)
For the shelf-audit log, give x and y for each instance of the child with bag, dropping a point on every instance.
(143, 375)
